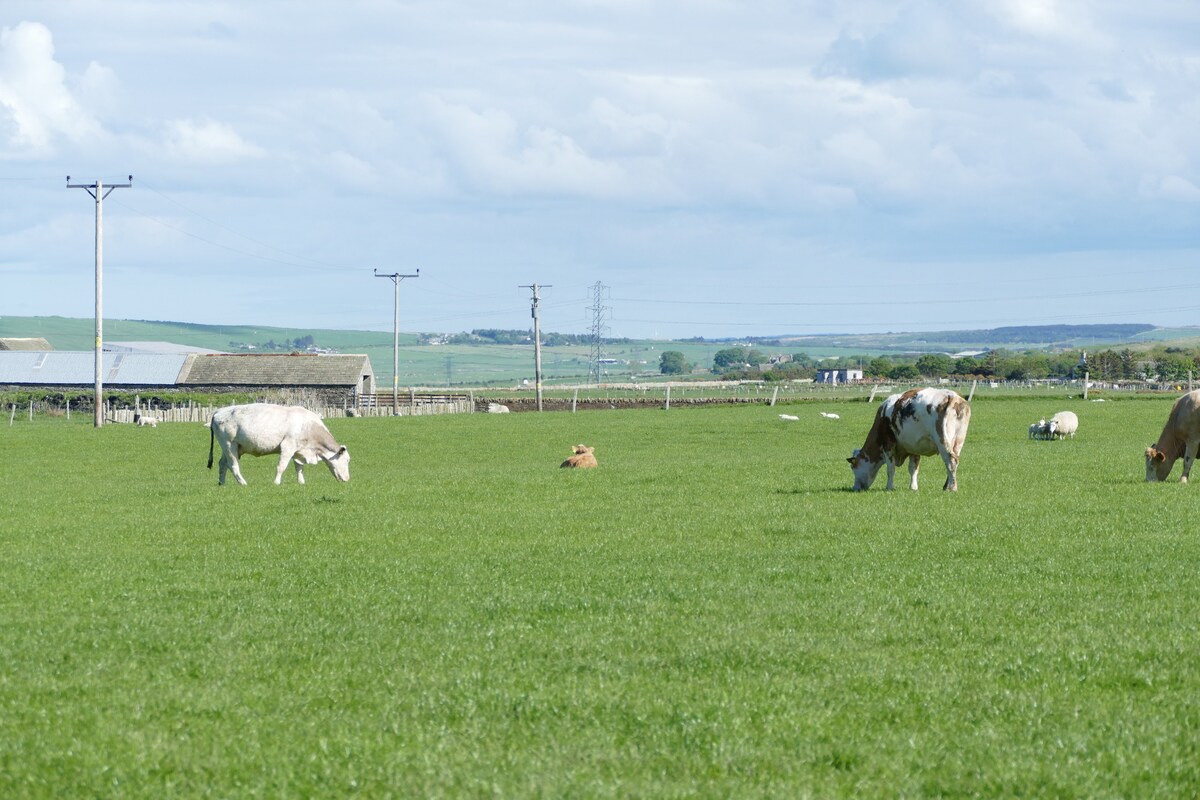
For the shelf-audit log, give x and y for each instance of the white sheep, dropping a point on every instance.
(1064, 424)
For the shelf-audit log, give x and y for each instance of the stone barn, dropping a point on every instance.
(325, 380)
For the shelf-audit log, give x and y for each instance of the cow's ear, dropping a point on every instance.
(853, 461)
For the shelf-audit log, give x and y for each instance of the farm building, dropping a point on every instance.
(333, 379)
(328, 379)
(156, 347)
(9, 343)
(850, 375)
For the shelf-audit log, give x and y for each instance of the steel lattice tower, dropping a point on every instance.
(599, 314)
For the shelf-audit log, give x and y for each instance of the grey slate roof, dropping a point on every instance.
(61, 368)
(14, 343)
(275, 370)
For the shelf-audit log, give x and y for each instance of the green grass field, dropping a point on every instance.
(711, 613)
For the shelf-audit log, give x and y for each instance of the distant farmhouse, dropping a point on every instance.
(334, 380)
(845, 375)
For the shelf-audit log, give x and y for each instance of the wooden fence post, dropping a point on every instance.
(774, 396)
(667, 407)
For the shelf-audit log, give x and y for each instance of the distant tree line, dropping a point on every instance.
(1163, 363)
(299, 343)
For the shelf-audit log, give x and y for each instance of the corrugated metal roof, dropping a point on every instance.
(156, 347)
(58, 368)
(276, 370)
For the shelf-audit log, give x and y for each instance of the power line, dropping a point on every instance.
(98, 192)
(537, 344)
(598, 310)
(396, 277)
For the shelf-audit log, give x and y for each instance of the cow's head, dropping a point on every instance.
(339, 464)
(864, 470)
(580, 449)
(1157, 466)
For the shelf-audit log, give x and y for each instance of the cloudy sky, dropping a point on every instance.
(719, 168)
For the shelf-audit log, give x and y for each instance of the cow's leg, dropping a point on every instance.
(1189, 455)
(914, 464)
(951, 460)
(299, 472)
(224, 464)
(891, 470)
(284, 458)
(234, 452)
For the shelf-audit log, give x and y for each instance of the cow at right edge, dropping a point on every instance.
(1180, 438)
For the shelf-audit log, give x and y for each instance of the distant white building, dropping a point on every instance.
(844, 375)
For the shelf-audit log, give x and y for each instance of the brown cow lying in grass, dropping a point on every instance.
(583, 458)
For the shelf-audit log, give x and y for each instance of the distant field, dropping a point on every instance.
(500, 365)
(711, 613)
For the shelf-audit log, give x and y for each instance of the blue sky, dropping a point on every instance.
(722, 169)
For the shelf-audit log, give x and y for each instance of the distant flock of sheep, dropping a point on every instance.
(1062, 425)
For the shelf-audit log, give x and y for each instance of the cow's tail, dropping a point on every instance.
(212, 437)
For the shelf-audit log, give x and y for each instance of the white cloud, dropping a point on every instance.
(491, 150)
(1171, 187)
(208, 142)
(36, 107)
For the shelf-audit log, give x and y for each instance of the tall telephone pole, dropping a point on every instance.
(537, 344)
(396, 278)
(99, 191)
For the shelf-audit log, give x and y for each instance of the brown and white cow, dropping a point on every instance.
(919, 422)
(584, 458)
(1180, 438)
(296, 434)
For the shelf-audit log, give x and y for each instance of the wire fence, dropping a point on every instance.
(424, 401)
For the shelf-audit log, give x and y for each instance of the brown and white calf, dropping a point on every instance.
(258, 429)
(584, 458)
(1180, 438)
(919, 422)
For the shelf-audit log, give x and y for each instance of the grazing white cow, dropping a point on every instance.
(141, 420)
(920, 422)
(296, 434)
(1064, 424)
(1180, 437)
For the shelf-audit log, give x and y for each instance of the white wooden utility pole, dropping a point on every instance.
(537, 344)
(396, 278)
(99, 191)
